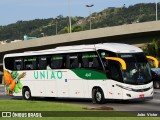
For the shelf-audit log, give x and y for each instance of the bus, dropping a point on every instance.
(99, 71)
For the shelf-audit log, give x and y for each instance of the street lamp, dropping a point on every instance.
(56, 26)
(89, 6)
(69, 12)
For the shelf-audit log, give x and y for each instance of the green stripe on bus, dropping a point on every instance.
(89, 74)
(89, 56)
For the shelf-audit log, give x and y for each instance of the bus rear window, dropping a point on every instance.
(9, 63)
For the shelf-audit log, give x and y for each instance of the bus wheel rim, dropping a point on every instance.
(98, 96)
(27, 95)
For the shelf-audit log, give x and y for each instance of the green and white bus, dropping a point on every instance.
(99, 71)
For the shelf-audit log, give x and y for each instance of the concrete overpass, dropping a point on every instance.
(137, 34)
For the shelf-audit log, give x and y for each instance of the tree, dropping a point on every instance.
(153, 48)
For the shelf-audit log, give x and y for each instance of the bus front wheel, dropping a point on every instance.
(98, 96)
(26, 94)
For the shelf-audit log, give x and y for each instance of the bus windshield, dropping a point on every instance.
(137, 70)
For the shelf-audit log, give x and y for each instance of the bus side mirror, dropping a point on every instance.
(156, 62)
(121, 61)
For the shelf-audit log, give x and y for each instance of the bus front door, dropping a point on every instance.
(115, 75)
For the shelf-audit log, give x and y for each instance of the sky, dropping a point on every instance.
(12, 11)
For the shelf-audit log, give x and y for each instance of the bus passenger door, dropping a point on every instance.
(115, 75)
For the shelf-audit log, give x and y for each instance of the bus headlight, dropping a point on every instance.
(126, 88)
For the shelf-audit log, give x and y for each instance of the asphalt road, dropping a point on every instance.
(150, 105)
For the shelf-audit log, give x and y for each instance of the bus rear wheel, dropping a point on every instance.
(98, 96)
(26, 94)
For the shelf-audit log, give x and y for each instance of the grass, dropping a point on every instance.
(22, 105)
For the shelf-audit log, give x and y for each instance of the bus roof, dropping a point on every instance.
(118, 47)
(113, 47)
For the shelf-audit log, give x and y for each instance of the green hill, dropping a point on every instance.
(108, 17)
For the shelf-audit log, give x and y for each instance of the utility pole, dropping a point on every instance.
(156, 10)
(69, 15)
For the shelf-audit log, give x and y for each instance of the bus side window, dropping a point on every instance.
(18, 64)
(30, 63)
(57, 62)
(72, 61)
(42, 64)
(103, 54)
(115, 72)
(91, 60)
(96, 63)
(85, 61)
(79, 60)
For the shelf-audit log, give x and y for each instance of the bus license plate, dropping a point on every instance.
(141, 96)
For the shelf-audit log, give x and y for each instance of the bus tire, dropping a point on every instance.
(27, 94)
(98, 96)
